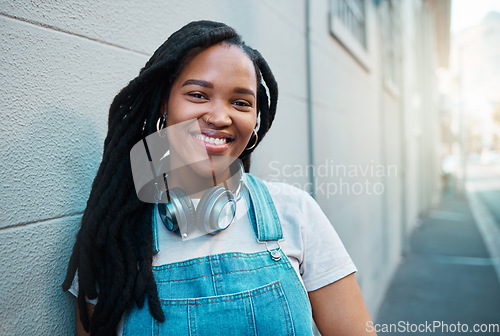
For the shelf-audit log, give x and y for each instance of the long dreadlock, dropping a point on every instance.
(113, 249)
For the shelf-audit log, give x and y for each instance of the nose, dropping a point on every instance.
(219, 114)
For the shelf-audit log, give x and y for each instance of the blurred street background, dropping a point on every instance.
(447, 281)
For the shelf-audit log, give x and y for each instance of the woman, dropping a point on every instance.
(252, 277)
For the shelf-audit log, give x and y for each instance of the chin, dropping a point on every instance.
(214, 166)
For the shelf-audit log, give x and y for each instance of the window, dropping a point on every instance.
(390, 25)
(348, 26)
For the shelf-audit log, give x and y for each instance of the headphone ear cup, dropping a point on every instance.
(216, 210)
(181, 211)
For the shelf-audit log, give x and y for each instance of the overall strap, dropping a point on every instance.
(263, 214)
(156, 243)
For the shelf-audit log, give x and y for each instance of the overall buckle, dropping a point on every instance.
(274, 253)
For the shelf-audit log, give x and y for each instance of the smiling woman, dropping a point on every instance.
(266, 254)
(216, 90)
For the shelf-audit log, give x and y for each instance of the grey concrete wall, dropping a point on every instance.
(347, 132)
(61, 64)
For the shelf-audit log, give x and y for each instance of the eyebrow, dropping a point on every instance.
(198, 82)
(211, 86)
(244, 91)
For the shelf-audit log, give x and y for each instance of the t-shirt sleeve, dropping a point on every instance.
(74, 286)
(74, 290)
(312, 240)
(325, 259)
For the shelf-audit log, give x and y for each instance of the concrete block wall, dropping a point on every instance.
(61, 65)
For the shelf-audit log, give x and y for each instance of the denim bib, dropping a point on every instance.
(231, 293)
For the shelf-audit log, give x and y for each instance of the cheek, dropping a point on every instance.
(247, 126)
(176, 111)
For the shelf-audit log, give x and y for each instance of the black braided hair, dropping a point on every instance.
(113, 250)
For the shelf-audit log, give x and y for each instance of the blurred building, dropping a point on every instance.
(357, 125)
(470, 91)
(473, 84)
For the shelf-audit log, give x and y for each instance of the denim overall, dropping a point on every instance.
(231, 293)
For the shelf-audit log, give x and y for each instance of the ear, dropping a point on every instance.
(257, 121)
(164, 107)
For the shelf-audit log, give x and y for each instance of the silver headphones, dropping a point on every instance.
(214, 213)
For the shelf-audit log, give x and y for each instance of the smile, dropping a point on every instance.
(212, 143)
(211, 140)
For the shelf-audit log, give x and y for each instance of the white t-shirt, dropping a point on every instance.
(310, 241)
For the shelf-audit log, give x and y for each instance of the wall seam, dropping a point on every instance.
(309, 101)
(64, 31)
(22, 224)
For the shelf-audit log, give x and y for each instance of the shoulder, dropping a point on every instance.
(294, 204)
(279, 190)
(291, 201)
(285, 192)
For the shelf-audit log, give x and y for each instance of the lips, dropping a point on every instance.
(213, 141)
(216, 141)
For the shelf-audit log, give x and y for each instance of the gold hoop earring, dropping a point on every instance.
(162, 121)
(256, 140)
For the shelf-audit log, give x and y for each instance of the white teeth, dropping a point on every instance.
(215, 141)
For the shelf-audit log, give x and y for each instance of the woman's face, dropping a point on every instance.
(215, 99)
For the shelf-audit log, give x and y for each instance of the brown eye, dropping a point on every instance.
(240, 103)
(197, 95)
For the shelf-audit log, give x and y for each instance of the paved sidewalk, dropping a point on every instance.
(448, 277)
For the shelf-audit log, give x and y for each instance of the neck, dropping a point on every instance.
(196, 178)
